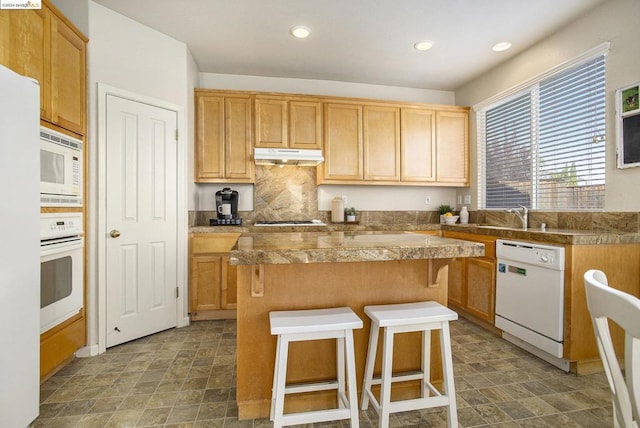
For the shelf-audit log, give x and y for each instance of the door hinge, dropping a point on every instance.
(176, 135)
(177, 292)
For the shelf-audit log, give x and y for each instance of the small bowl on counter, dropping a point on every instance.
(451, 219)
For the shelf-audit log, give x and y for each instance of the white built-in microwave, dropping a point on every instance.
(60, 169)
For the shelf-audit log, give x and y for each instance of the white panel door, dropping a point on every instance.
(141, 204)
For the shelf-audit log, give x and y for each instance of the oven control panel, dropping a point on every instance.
(58, 225)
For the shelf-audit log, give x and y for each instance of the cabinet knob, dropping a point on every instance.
(114, 233)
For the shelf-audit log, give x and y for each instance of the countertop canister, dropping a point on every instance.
(337, 210)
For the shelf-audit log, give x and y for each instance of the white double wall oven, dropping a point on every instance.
(61, 233)
(61, 268)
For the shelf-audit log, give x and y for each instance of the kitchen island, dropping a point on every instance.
(287, 271)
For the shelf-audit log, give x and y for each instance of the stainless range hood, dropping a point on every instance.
(300, 157)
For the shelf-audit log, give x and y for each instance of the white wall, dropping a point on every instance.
(370, 198)
(77, 11)
(324, 87)
(615, 21)
(192, 82)
(383, 198)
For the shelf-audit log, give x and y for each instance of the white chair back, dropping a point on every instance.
(605, 303)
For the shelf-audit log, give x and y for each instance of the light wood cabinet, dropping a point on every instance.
(481, 287)
(343, 142)
(305, 124)
(401, 144)
(381, 127)
(205, 283)
(223, 138)
(417, 150)
(44, 45)
(364, 141)
(212, 281)
(25, 47)
(452, 148)
(281, 122)
(271, 123)
(472, 281)
(68, 77)
(457, 283)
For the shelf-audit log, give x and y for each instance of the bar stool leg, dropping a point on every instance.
(353, 388)
(426, 362)
(371, 361)
(447, 366)
(340, 371)
(275, 380)
(281, 369)
(387, 372)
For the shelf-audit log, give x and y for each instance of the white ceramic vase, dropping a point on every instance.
(464, 215)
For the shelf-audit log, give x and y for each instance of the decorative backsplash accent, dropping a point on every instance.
(285, 193)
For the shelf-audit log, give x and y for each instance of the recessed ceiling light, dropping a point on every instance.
(300, 32)
(502, 46)
(423, 46)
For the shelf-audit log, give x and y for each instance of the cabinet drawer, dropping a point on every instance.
(213, 243)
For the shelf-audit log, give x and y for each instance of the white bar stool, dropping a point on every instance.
(404, 318)
(315, 324)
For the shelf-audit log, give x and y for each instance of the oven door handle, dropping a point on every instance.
(61, 247)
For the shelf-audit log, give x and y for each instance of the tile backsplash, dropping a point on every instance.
(569, 220)
(290, 193)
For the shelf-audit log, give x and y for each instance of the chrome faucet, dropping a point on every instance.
(523, 217)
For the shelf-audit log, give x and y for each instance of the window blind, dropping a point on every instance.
(544, 148)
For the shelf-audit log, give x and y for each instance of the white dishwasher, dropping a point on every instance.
(530, 298)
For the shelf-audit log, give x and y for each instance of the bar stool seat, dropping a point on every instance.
(315, 324)
(404, 318)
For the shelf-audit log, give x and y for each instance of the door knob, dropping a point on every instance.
(114, 233)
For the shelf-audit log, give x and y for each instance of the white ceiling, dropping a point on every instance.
(366, 41)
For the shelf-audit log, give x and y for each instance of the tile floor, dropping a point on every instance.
(185, 378)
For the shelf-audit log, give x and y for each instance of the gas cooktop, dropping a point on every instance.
(289, 223)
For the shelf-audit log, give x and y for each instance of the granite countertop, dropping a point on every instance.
(551, 236)
(329, 227)
(335, 247)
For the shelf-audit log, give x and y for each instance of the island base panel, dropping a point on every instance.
(323, 285)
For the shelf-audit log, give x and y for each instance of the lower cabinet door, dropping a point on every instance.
(204, 285)
(456, 282)
(480, 278)
(229, 285)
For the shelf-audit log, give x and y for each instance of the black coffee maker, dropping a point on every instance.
(227, 208)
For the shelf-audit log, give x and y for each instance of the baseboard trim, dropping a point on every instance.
(88, 351)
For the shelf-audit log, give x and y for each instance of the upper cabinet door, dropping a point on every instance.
(305, 125)
(68, 77)
(343, 142)
(417, 137)
(223, 138)
(452, 149)
(238, 143)
(24, 48)
(381, 143)
(209, 162)
(271, 123)
(45, 46)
